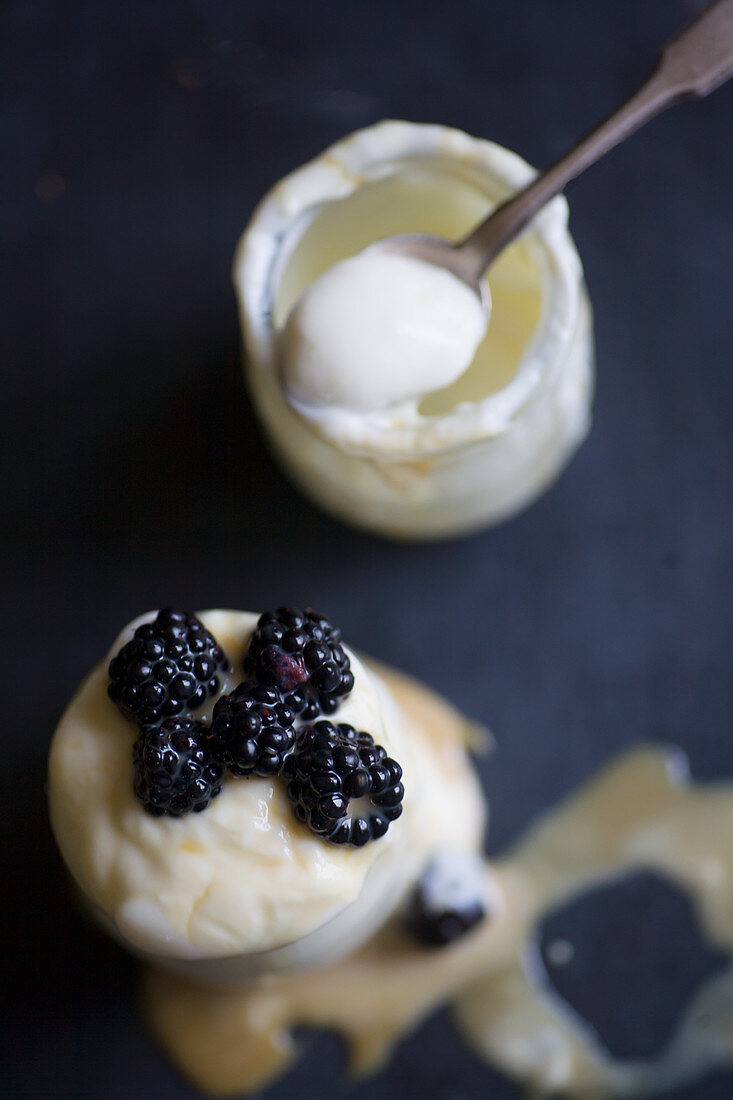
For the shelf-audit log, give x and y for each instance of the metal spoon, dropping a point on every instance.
(692, 64)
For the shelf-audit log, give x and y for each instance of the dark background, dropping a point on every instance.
(136, 139)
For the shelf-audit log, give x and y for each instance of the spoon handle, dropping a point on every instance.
(692, 64)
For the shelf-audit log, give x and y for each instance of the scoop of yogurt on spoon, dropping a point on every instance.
(377, 329)
(406, 316)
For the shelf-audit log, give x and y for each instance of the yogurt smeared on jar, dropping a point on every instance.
(376, 329)
(462, 455)
(244, 886)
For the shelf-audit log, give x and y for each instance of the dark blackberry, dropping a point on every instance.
(174, 771)
(252, 730)
(300, 653)
(448, 901)
(342, 785)
(169, 667)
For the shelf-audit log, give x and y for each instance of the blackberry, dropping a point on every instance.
(170, 666)
(252, 730)
(343, 786)
(174, 771)
(449, 900)
(300, 653)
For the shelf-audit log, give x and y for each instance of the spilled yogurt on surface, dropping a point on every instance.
(641, 812)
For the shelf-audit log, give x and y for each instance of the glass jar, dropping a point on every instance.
(481, 449)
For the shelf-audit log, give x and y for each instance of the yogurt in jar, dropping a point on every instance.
(244, 888)
(476, 447)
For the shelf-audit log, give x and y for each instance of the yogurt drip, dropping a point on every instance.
(376, 329)
(642, 812)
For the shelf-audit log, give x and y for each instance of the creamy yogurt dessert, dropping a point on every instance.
(173, 806)
(428, 450)
(279, 868)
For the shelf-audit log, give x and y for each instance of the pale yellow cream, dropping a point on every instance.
(243, 877)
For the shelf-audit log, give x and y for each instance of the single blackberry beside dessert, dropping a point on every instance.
(343, 786)
(252, 730)
(170, 666)
(449, 900)
(300, 653)
(175, 772)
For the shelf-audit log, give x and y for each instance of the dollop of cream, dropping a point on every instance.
(377, 329)
(244, 876)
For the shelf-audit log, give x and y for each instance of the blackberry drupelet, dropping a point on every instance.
(252, 730)
(300, 653)
(449, 900)
(335, 767)
(175, 772)
(171, 666)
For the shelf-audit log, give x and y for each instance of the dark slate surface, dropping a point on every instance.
(136, 139)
